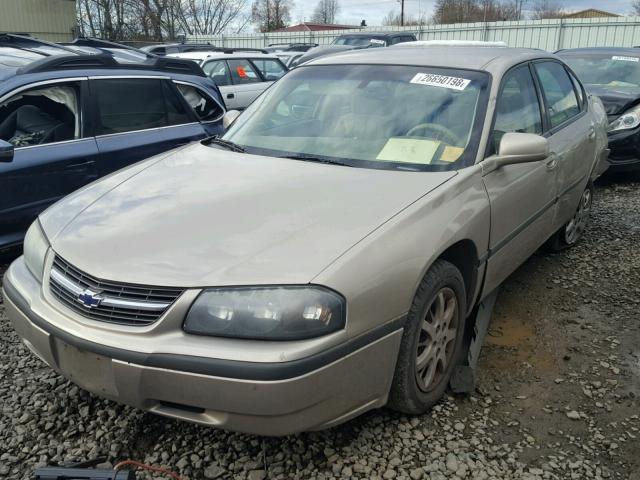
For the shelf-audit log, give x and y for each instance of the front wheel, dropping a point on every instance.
(572, 231)
(431, 342)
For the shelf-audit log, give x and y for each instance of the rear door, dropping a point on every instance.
(138, 117)
(48, 163)
(206, 108)
(522, 196)
(571, 135)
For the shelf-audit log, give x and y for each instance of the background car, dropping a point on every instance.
(289, 47)
(613, 74)
(71, 114)
(354, 41)
(326, 255)
(290, 59)
(240, 74)
(167, 48)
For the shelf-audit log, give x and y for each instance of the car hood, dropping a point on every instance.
(616, 100)
(203, 216)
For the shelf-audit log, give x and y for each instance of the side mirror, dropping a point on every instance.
(517, 148)
(6, 151)
(229, 118)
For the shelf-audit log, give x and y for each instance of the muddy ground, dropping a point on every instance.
(558, 393)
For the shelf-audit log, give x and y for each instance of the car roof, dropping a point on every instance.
(214, 55)
(377, 34)
(600, 50)
(491, 59)
(21, 55)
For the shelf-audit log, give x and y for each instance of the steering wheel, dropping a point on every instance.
(441, 132)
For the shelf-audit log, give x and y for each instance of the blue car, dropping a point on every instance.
(72, 113)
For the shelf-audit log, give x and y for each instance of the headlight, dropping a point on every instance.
(35, 249)
(266, 313)
(628, 120)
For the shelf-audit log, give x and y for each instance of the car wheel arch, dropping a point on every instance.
(463, 254)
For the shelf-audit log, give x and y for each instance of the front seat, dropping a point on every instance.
(29, 125)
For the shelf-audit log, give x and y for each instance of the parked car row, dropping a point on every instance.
(325, 256)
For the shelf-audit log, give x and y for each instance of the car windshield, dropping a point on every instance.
(610, 70)
(360, 41)
(371, 116)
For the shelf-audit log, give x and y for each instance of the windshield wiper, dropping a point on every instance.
(234, 147)
(311, 158)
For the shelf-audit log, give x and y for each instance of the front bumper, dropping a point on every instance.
(625, 150)
(265, 398)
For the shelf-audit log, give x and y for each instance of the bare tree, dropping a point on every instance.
(271, 15)
(159, 20)
(326, 11)
(635, 7)
(463, 11)
(547, 9)
(393, 19)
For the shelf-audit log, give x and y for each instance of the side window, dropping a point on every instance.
(176, 111)
(559, 93)
(130, 104)
(579, 90)
(517, 108)
(242, 72)
(271, 69)
(218, 72)
(45, 114)
(205, 108)
(172, 50)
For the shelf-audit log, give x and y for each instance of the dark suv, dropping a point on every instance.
(72, 113)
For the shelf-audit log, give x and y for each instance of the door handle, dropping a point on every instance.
(592, 132)
(84, 163)
(230, 95)
(552, 162)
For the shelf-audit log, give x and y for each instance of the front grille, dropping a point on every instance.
(107, 301)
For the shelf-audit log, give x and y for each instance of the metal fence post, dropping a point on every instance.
(560, 31)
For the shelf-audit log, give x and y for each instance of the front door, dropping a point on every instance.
(218, 71)
(522, 196)
(51, 157)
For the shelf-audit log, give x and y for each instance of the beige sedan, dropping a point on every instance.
(323, 258)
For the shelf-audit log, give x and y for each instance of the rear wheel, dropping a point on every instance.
(572, 231)
(432, 340)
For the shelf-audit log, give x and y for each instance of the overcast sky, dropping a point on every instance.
(353, 11)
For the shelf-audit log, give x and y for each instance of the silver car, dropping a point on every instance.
(323, 257)
(241, 75)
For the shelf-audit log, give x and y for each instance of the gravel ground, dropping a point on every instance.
(558, 396)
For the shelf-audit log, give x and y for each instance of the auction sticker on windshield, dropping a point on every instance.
(433, 80)
(625, 59)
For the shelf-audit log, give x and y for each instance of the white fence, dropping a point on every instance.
(545, 34)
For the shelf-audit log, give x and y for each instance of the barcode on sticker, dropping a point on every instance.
(625, 59)
(431, 79)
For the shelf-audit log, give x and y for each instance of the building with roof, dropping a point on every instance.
(53, 20)
(315, 27)
(590, 13)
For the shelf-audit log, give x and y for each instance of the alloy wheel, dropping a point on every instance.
(437, 339)
(573, 230)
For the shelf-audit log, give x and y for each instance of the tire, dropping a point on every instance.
(571, 232)
(416, 387)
